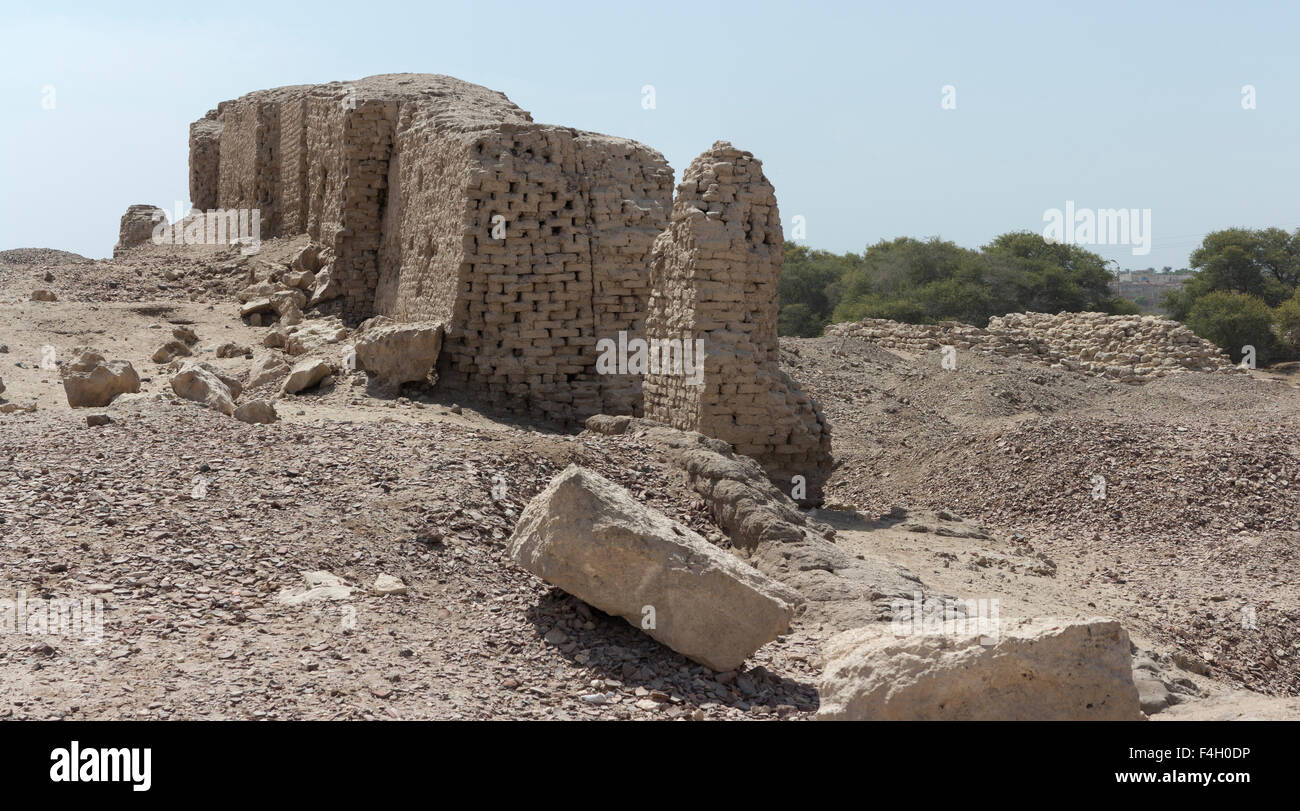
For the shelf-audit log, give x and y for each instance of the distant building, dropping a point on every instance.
(1148, 287)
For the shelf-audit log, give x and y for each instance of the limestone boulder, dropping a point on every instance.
(257, 411)
(301, 279)
(266, 369)
(254, 307)
(258, 291)
(327, 287)
(90, 381)
(317, 587)
(231, 382)
(193, 382)
(290, 315)
(386, 584)
(234, 350)
(304, 375)
(307, 259)
(397, 353)
(1035, 670)
(591, 538)
(286, 301)
(299, 340)
(170, 351)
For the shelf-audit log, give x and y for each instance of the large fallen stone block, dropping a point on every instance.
(399, 353)
(591, 538)
(1036, 670)
(92, 382)
(193, 382)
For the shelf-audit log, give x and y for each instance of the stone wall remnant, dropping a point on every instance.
(138, 224)
(715, 273)
(1128, 348)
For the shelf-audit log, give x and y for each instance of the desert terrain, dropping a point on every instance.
(974, 481)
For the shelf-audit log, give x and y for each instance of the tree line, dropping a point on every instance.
(1243, 291)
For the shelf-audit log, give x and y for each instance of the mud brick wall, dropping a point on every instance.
(294, 197)
(248, 169)
(1128, 348)
(324, 141)
(365, 148)
(580, 213)
(714, 276)
(571, 268)
(401, 176)
(205, 151)
(527, 297)
(630, 192)
(422, 255)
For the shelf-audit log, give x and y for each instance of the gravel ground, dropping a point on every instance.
(188, 524)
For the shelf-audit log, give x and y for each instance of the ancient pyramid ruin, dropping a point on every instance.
(439, 200)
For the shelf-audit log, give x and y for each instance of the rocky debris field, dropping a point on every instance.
(350, 557)
(189, 526)
(1176, 499)
(40, 256)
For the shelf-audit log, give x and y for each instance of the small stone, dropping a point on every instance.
(556, 637)
(386, 584)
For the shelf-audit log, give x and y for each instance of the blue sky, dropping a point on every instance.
(1109, 105)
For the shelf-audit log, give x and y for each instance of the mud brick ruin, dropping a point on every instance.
(439, 200)
(715, 273)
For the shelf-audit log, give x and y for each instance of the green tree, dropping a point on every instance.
(1232, 321)
(1286, 321)
(1264, 263)
(810, 289)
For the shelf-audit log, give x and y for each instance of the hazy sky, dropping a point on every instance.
(1107, 105)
